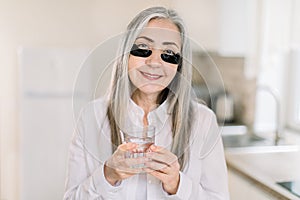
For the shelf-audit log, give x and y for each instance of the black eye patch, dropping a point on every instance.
(136, 51)
(169, 58)
(173, 59)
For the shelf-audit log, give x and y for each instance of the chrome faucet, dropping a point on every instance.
(275, 96)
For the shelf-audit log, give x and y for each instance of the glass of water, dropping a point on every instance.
(143, 136)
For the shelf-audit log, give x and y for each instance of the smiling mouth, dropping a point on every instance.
(150, 76)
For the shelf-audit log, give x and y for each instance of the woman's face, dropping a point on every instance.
(150, 75)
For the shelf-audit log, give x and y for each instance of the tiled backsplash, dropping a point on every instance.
(235, 82)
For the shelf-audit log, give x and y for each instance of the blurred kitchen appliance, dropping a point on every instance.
(224, 107)
(220, 101)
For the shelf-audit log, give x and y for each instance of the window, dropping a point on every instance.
(293, 102)
(279, 64)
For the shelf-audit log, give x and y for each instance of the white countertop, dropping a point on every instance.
(268, 168)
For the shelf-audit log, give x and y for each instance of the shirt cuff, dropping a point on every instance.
(103, 186)
(184, 189)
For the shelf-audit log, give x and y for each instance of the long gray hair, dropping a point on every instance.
(178, 92)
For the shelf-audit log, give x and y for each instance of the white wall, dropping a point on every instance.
(77, 23)
(273, 65)
(202, 19)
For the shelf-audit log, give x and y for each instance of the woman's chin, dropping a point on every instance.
(151, 89)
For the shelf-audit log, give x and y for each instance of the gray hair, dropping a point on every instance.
(178, 92)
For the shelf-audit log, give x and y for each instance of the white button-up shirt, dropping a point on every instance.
(204, 177)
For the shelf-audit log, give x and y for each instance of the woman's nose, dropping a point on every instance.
(154, 59)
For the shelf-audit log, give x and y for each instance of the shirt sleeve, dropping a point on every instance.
(82, 182)
(214, 182)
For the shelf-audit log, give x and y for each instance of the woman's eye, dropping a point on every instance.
(142, 46)
(169, 52)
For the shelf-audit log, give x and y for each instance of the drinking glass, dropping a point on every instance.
(143, 136)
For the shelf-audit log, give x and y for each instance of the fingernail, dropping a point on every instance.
(132, 144)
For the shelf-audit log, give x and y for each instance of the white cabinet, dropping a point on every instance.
(237, 27)
(226, 26)
(241, 187)
(46, 118)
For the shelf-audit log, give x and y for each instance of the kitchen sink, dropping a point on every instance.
(292, 186)
(252, 143)
(245, 140)
(239, 136)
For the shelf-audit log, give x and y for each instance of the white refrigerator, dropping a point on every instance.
(47, 78)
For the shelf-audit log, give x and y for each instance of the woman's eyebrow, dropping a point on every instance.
(171, 43)
(151, 40)
(146, 38)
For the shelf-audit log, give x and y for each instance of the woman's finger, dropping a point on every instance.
(159, 175)
(127, 146)
(129, 162)
(120, 158)
(163, 154)
(167, 158)
(158, 149)
(130, 170)
(157, 166)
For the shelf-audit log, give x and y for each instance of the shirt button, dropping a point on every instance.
(149, 181)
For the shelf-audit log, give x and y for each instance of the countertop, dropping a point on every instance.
(268, 168)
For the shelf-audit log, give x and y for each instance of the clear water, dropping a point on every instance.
(143, 143)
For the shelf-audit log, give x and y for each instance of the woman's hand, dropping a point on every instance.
(164, 165)
(121, 166)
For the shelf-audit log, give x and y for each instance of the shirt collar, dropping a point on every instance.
(157, 117)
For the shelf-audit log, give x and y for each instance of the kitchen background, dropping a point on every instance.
(255, 45)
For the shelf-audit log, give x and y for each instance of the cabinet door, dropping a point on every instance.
(241, 187)
(233, 27)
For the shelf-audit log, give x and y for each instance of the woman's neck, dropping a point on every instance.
(147, 102)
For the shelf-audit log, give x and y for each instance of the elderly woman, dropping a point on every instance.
(151, 85)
